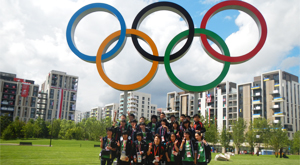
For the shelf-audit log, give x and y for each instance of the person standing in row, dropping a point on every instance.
(182, 118)
(162, 116)
(132, 130)
(186, 127)
(152, 125)
(124, 149)
(147, 136)
(119, 129)
(155, 151)
(172, 151)
(163, 131)
(198, 126)
(139, 150)
(187, 149)
(202, 150)
(108, 147)
(176, 130)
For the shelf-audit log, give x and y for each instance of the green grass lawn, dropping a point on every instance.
(84, 152)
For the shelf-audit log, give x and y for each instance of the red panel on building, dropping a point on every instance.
(19, 80)
(25, 90)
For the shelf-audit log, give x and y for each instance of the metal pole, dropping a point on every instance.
(125, 102)
(196, 103)
(51, 132)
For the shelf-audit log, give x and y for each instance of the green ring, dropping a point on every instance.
(213, 37)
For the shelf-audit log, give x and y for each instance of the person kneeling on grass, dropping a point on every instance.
(125, 149)
(202, 150)
(108, 147)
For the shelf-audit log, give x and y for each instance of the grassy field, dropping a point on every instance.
(84, 152)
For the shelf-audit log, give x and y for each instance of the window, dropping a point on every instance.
(32, 113)
(142, 106)
(64, 95)
(35, 91)
(143, 102)
(51, 104)
(33, 99)
(51, 93)
(137, 97)
(142, 114)
(142, 110)
(148, 100)
(143, 98)
(25, 112)
(19, 110)
(49, 114)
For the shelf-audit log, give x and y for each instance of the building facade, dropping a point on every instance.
(273, 95)
(139, 104)
(18, 97)
(109, 109)
(62, 92)
(96, 112)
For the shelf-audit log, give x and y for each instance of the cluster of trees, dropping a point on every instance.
(89, 129)
(261, 131)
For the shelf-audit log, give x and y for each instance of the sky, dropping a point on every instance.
(33, 42)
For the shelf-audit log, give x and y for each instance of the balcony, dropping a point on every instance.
(132, 101)
(256, 115)
(257, 94)
(132, 106)
(232, 105)
(276, 85)
(257, 108)
(276, 106)
(255, 87)
(121, 107)
(132, 98)
(256, 102)
(232, 99)
(275, 92)
(278, 99)
(278, 114)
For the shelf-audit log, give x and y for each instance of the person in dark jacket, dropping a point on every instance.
(172, 119)
(186, 127)
(172, 151)
(152, 125)
(155, 151)
(176, 130)
(139, 150)
(187, 149)
(162, 117)
(147, 136)
(182, 117)
(202, 150)
(132, 130)
(163, 131)
(108, 147)
(124, 149)
(119, 129)
(198, 126)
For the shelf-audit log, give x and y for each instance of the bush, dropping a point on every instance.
(8, 134)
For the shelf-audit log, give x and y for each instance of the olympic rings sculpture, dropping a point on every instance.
(204, 34)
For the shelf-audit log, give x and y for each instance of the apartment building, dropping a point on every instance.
(139, 104)
(18, 97)
(273, 95)
(109, 109)
(276, 97)
(96, 112)
(62, 91)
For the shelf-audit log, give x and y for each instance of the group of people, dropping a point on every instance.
(159, 142)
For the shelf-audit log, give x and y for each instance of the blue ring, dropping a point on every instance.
(82, 13)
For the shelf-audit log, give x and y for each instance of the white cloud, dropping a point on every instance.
(209, 1)
(228, 17)
(289, 62)
(33, 43)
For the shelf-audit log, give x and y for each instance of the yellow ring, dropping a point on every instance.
(128, 87)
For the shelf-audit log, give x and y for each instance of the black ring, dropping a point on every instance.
(163, 6)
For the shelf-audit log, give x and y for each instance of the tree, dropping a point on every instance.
(28, 130)
(250, 137)
(54, 128)
(296, 142)
(8, 133)
(225, 138)
(278, 137)
(238, 130)
(211, 134)
(17, 127)
(262, 128)
(5, 120)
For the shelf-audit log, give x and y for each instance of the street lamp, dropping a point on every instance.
(257, 137)
(51, 132)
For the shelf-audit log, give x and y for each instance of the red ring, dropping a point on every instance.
(249, 9)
